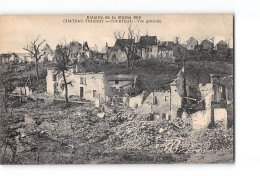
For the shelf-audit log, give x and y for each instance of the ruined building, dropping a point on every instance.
(218, 96)
(88, 85)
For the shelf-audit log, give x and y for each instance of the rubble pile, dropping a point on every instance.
(150, 137)
(85, 134)
(213, 142)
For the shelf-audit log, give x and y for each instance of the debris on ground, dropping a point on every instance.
(87, 134)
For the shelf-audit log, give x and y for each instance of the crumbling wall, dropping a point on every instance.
(144, 109)
(119, 83)
(159, 101)
(117, 56)
(175, 101)
(135, 102)
(50, 82)
(201, 119)
(94, 82)
(220, 114)
(207, 94)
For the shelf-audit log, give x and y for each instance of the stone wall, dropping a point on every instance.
(175, 101)
(135, 102)
(202, 119)
(159, 101)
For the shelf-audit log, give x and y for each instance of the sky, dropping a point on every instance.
(18, 31)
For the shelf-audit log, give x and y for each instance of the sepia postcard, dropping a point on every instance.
(116, 89)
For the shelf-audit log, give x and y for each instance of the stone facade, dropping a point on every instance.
(88, 86)
(120, 83)
(164, 104)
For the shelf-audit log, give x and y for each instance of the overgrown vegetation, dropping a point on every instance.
(156, 75)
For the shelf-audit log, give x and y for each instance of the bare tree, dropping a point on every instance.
(137, 37)
(119, 34)
(36, 53)
(7, 87)
(129, 46)
(62, 55)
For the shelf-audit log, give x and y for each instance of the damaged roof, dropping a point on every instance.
(121, 43)
(121, 77)
(148, 40)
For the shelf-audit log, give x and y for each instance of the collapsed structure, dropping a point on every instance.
(215, 102)
(218, 97)
(214, 105)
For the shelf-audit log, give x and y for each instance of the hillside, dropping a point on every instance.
(165, 72)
